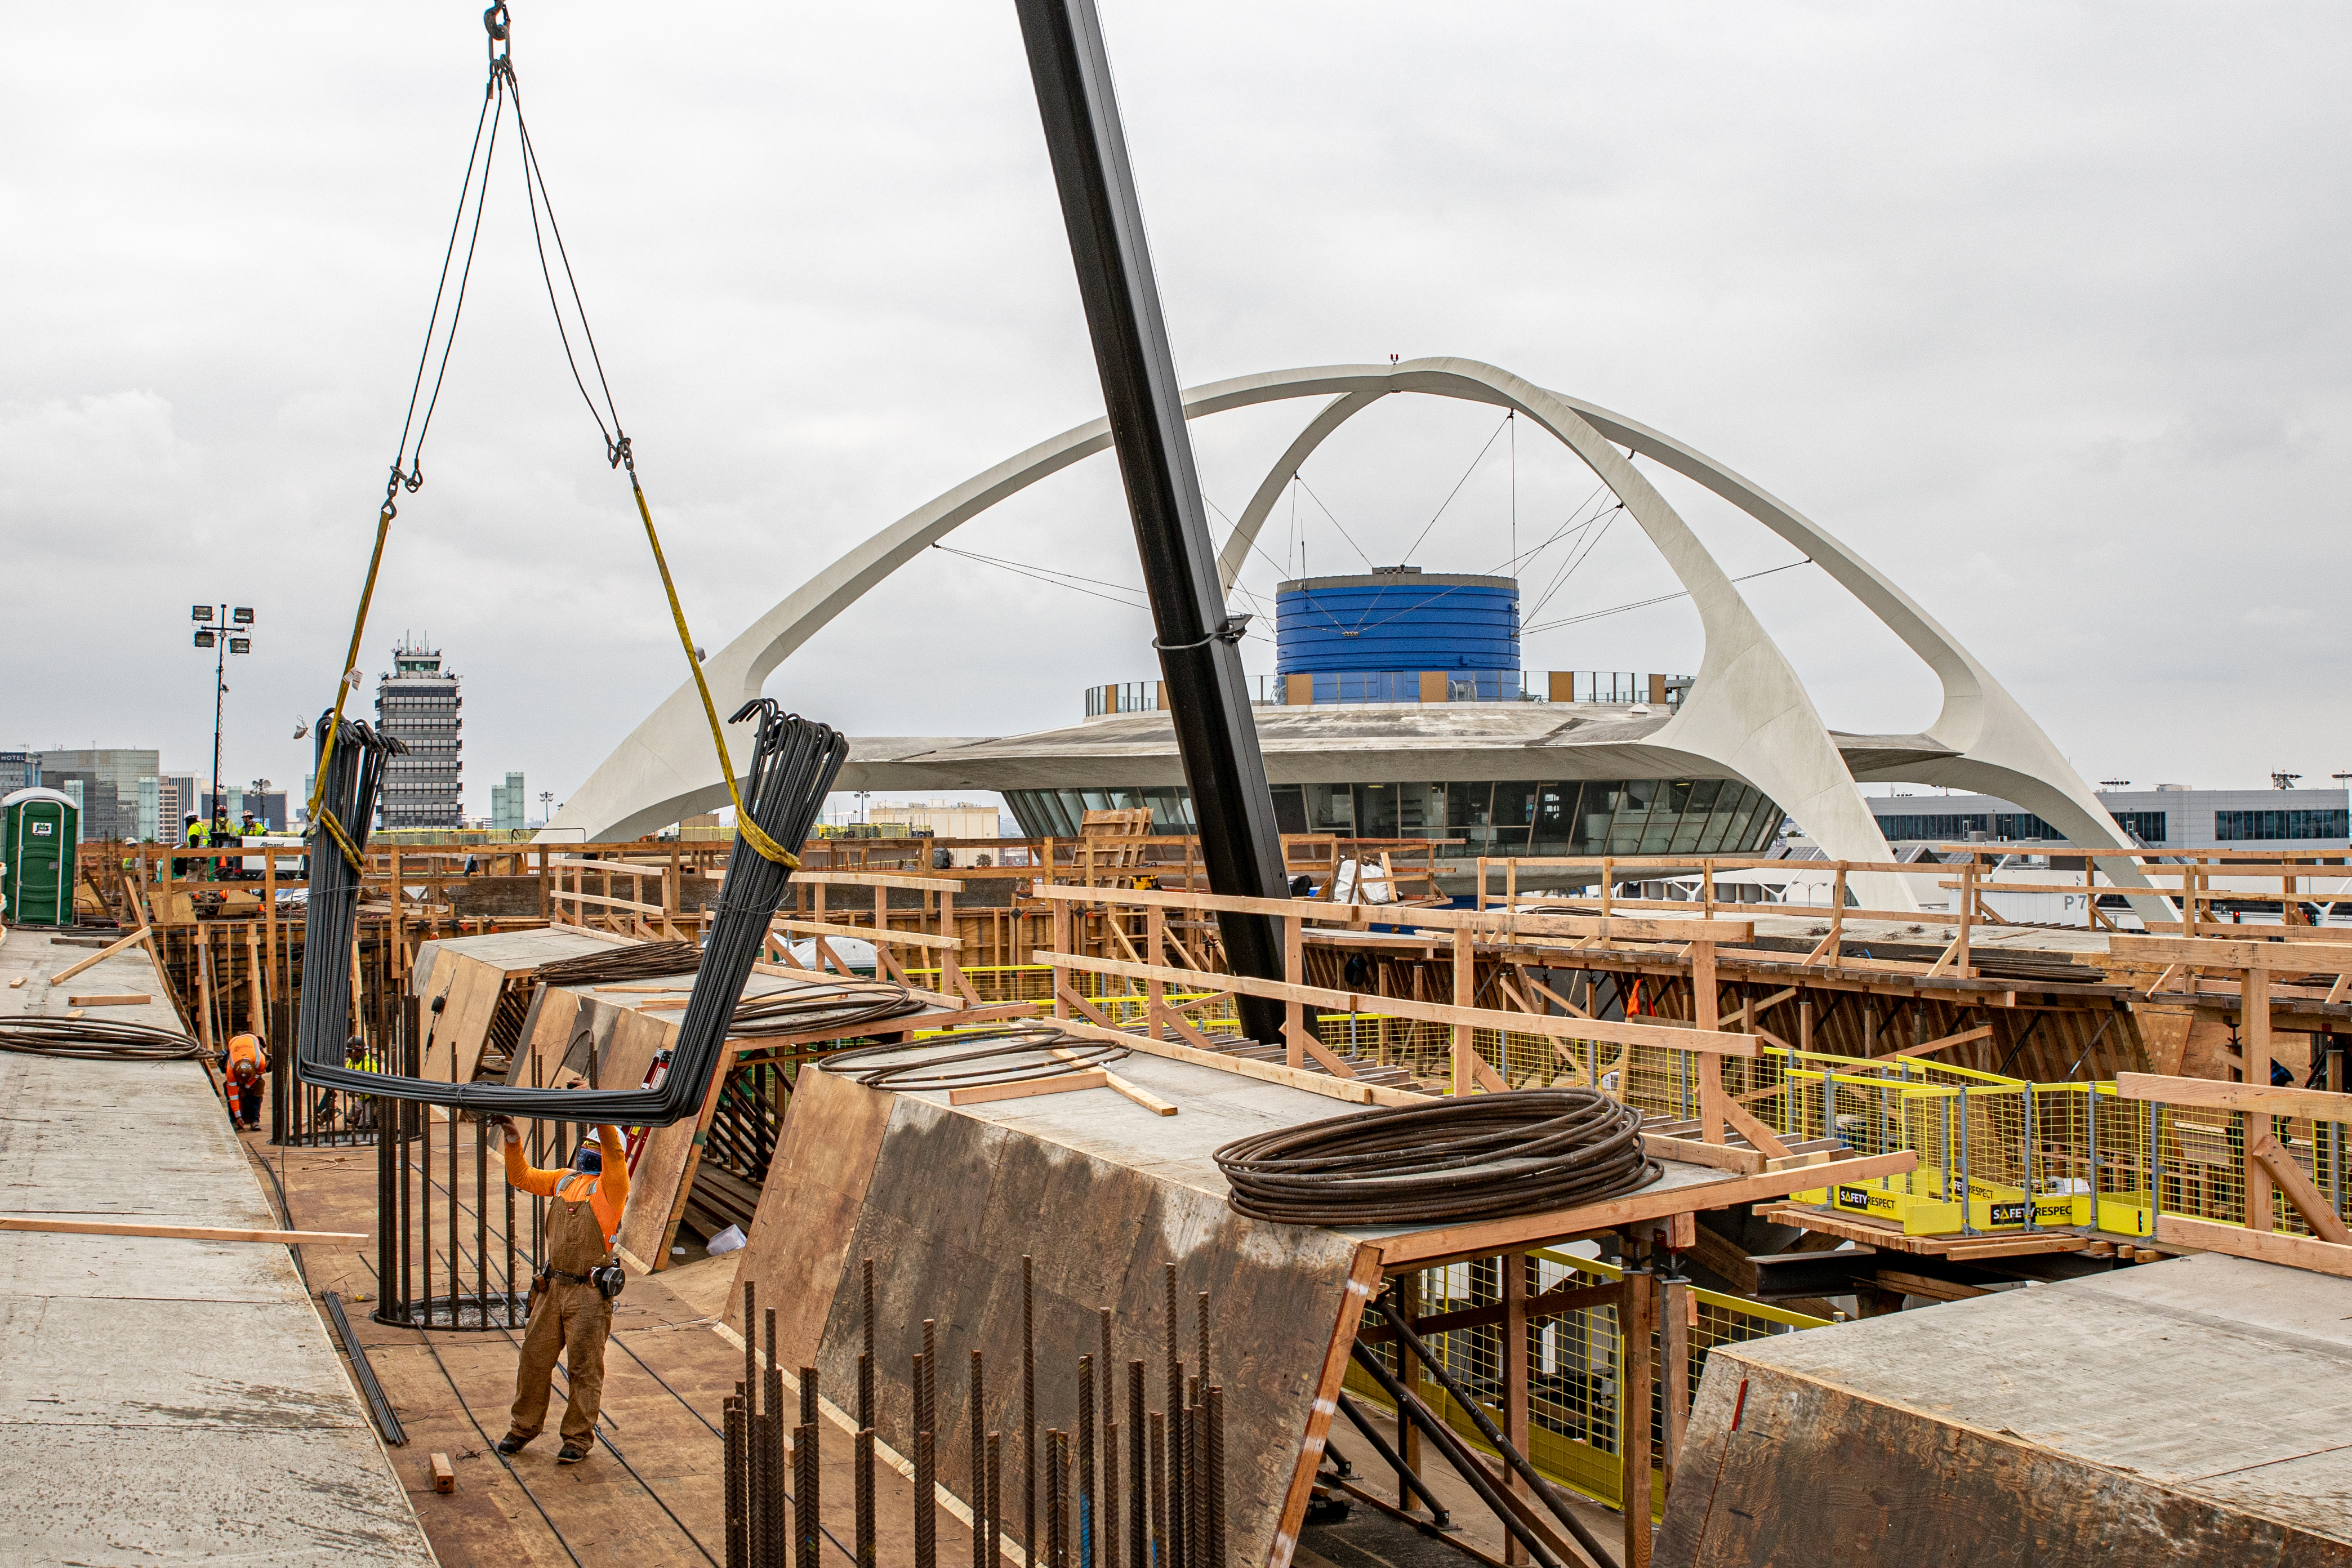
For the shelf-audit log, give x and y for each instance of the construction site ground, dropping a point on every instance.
(161, 1400)
(652, 1491)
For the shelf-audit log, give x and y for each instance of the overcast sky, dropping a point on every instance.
(2042, 307)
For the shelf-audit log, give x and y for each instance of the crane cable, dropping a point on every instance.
(408, 468)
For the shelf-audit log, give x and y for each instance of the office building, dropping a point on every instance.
(418, 705)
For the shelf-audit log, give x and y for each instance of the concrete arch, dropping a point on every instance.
(2001, 749)
(1748, 713)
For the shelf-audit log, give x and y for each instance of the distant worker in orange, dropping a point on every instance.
(571, 1299)
(247, 1062)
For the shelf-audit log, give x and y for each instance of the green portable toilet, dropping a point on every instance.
(36, 857)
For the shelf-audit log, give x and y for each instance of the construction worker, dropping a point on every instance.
(570, 1309)
(246, 1064)
(252, 827)
(194, 830)
(222, 836)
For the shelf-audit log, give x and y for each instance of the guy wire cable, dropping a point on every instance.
(1484, 1156)
(794, 764)
(99, 1040)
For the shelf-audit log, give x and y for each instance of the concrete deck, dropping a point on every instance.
(161, 1401)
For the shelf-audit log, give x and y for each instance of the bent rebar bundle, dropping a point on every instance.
(794, 764)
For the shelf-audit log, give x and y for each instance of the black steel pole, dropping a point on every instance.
(1241, 844)
(220, 691)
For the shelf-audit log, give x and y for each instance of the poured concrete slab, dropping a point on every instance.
(161, 1401)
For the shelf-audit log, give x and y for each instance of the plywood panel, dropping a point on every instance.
(665, 1170)
(637, 1038)
(808, 1209)
(954, 1203)
(455, 979)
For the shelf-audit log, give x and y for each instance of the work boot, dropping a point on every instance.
(511, 1444)
(570, 1455)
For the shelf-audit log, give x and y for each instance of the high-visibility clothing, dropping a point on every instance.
(198, 837)
(598, 1200)
(246, 1059)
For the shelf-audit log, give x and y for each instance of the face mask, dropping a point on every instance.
(590, 1160)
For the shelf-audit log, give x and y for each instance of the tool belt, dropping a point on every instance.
(607, 1278)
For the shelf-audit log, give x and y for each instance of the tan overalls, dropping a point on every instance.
(570, 1315)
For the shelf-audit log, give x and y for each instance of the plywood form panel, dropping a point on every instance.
(954, 1202)
(808, 1210)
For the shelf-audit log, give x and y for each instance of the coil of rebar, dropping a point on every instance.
(98, 1040)
(1484, 1156)
(834, 1004)
(1017, 1053)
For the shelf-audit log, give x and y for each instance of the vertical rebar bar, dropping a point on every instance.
(926, 1402)
(1084, 1544)
(1028, 1409)
(1112, 1540)
(772, 1403)
(424, 1232)
(926, 1506)
(1157, 1451)
(457, 1257)
(1172, 1538)
(1214, 1463)
(807, 1495)
(978, 1400)
(867, 1274)
(482, 1219)
(1057, 1547)
(808, 1395)
(737, 1553)
(1195, 1514)
(865, 1485)
(1139, 1502)
(508, 1187)
(992, 1516)
(1202, 1365)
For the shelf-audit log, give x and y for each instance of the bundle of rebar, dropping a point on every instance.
(794, 764)
(98, 1040)
(638, 960)
(1485, 1156)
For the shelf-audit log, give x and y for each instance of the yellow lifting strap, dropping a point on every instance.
(749, 829)
(350, 678)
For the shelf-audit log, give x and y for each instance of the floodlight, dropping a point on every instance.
(201, 613)
(240, 645)
(242, 615)
(205, 640)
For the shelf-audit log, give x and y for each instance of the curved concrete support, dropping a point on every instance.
(1747, 712)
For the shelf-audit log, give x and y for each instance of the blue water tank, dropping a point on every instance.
(1400, 619)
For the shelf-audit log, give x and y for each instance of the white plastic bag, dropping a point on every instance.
(727, 1240)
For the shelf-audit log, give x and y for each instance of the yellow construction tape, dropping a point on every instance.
(744, 823)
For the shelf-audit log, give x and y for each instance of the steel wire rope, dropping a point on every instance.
(1457, 491)
(1662, 598)
(1485, 1156)
(95, 1039)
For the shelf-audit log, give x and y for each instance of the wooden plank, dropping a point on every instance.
(1484, 1238)
(2318, 1104)
(1355, 1091)
(2262, 1246)
(174, 1231)
(881, 880)
(1062, 1083)
(101, 956)
(2315, 1208)
(445, 1474)
(1363, 1281)
(1926, 1047)
(2310, 957)
(138, 1000)
(1491, 924)
(1656, 1035)
(868, 933)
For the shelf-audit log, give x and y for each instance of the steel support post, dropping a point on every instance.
(1241, 844)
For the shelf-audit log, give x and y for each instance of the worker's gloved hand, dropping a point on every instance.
(508, 1131)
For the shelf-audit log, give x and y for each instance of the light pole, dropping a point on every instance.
(545, 815)
(232, 632)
